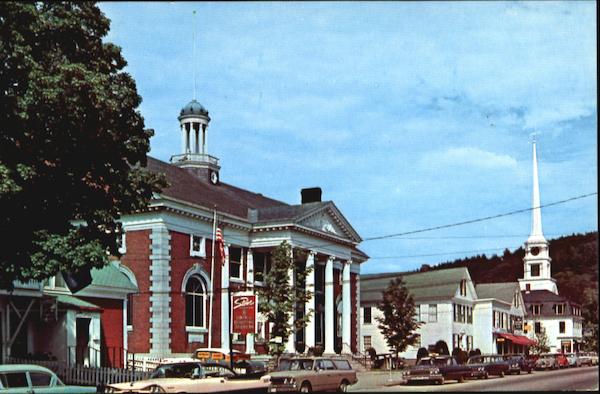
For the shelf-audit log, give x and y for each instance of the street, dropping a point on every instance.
(584, 378)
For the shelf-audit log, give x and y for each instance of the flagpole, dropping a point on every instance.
(212, 275)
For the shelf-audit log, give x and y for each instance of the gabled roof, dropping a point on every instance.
(184, 186)
(423, 286)
(501, 291)
(287, 212)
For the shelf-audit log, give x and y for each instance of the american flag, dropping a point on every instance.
(220, 244)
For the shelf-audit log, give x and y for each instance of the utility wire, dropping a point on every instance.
(443, 254)
(479, 219)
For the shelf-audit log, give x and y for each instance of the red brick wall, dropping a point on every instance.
(112, 325)
(137, 259)
(354, 315)
(181, 262)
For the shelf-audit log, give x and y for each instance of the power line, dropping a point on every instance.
(479, 219)
(442, 254)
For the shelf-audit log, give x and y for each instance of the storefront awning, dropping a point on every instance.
(517, 339)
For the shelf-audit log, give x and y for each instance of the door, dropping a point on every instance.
(82, 332)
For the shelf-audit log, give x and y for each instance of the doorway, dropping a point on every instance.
(82, 332)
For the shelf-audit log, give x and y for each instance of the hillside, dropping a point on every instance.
(574, 265)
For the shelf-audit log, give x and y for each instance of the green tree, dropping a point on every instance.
(398, 322)
(542, 343)
(589, 311)
(280, 300)
(72, 142)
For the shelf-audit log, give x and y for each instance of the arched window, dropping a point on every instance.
(195, 302)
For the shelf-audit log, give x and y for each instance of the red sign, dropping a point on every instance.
(244, 314)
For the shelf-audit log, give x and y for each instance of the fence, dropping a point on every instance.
(89, 376)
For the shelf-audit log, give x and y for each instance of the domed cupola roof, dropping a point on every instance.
(193, 108)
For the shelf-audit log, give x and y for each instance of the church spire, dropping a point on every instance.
(536, 222)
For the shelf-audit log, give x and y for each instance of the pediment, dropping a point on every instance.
(329, 220)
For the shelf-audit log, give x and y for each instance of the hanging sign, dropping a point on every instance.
(244, 314)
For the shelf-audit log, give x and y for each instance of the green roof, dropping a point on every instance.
(70, 300)
(111, 276)
(501, 291)
(430, 285)
(423, 286)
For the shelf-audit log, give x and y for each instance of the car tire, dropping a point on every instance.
(486, 375)
(461, 379)
(518, 372)
(343, 387)
(305, 388)
(501, 374)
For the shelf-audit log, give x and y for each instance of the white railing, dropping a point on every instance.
(196, 157)
(82, 375)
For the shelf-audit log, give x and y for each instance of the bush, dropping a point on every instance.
(460, 355)
(316, 351)
(442, 348)
(422, 352)
(372, 353)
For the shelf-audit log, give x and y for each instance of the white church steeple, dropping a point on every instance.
(536, 264)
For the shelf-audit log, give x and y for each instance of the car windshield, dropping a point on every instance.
(440, 361)
(184, 370)
(474, 360)
(295, 365)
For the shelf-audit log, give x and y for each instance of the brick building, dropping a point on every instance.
(168, 252)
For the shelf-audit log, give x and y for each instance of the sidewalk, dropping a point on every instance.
(377, 378)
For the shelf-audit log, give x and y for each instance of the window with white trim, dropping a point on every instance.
(197, 248)
(463, 287)
(422, 313)
(195, 302)
(367, 315)
(262, 265)
(432, 313)
(121, 242)
(367, 342)
(235, 263)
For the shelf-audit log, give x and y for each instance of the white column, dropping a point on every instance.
(309, 331)
(250, 285)
(225, 301)
(290, 346)
(183, 139)
(358, 317)
(203, 128)
(160, 291)
(192, 138)
(329, 312)
(346, 308)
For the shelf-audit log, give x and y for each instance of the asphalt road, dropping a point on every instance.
(583, 378)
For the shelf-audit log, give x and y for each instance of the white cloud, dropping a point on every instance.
(467, 157)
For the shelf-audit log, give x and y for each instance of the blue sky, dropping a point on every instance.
(408, 115)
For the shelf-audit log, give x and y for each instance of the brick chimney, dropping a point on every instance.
(312, 194)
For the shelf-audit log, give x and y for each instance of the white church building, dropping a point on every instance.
(546, 310)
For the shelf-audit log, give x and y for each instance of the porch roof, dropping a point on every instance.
(72, 301)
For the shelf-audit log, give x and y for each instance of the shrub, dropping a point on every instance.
(422, 352)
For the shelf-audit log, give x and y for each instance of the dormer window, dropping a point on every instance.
(197, 246)
(516, 300)
(559, 309)
(536, 309)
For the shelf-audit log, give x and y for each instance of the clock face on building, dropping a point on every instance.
(535, 251)
(214, 177)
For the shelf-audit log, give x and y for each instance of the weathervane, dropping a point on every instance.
(194, 50)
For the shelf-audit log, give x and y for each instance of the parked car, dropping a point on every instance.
(561, 360)
(584, 358)
(28, 378)
(307, 374)
(437, 369)
(518, 363)
(573, 360)
(493, 364)
(192, 377)
(546, 361)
